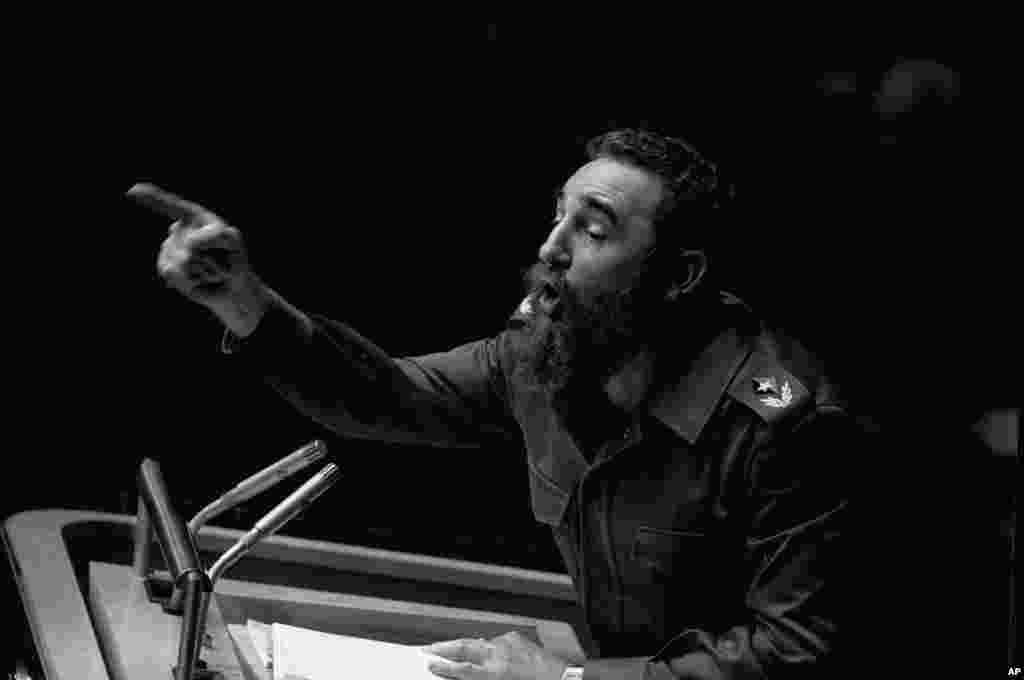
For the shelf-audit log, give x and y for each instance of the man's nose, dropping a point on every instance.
(554, 252)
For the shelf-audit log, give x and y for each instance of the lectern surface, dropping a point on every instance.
(140, 641)
(385, 595)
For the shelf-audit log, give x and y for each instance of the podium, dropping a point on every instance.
(91, 618)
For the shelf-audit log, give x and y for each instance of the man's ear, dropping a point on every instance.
(689, 268)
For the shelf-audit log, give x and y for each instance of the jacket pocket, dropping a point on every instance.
(669, 553)
(689, 578)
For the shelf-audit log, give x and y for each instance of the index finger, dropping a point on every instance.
(166, 203)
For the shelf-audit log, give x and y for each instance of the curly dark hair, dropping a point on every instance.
(691, 180)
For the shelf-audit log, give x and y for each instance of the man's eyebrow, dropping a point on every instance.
(592, 202)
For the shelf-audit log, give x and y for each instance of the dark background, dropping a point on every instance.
(399, 182)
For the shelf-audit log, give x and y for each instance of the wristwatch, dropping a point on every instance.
(573, 673)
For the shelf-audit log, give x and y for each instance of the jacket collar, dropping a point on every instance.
(686, 400)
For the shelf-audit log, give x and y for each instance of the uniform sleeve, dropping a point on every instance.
(335, 376)
(795, 618)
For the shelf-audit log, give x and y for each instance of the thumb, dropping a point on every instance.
(470, 650)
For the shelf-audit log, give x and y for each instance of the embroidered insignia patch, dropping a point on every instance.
(767, 387)
(770, 393)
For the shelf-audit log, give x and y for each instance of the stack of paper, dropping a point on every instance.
(291, 653)
(262, 639)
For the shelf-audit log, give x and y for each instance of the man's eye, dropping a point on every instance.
(593, 234)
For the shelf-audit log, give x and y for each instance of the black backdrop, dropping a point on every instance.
(401, 188)
(398, 180)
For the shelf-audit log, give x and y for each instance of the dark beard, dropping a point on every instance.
(569, 355)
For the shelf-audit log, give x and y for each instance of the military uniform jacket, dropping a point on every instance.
(703, 540)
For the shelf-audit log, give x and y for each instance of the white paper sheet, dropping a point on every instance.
(303, 654)
(262, 640)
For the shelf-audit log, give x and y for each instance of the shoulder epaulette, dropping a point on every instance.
(768, 389)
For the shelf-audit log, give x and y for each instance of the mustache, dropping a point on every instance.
(538, 275)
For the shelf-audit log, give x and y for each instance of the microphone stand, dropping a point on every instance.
(259, 482)
(191, 586)
(243, 491)
(157, 516)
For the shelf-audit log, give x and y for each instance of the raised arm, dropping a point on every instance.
(324, 368)
(331, 373)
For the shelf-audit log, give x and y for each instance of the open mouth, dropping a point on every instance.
(548, 298)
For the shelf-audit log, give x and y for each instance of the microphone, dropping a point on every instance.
(287, 509)
(260, 482)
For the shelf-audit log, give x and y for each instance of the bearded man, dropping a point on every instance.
(688, 459)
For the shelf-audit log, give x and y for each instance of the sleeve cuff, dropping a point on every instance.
(281, 322)
(632, 668)
(696, 666)
(229, 342)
